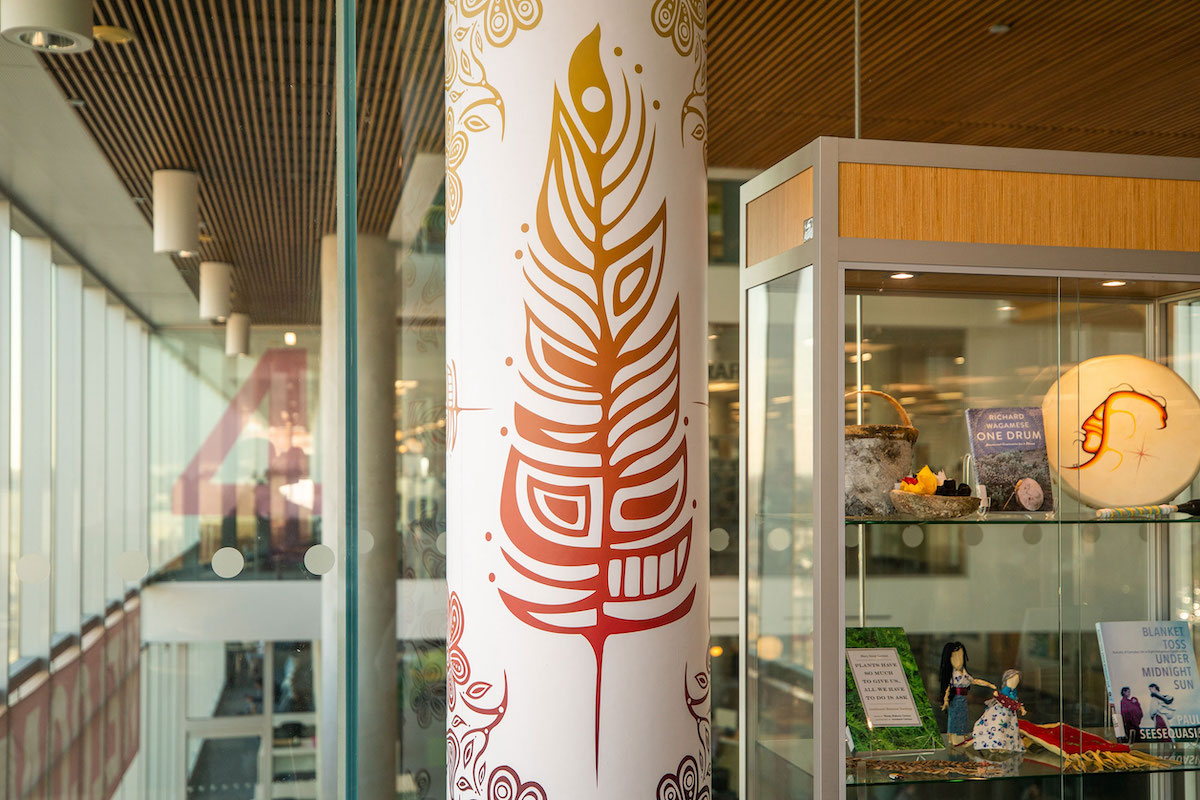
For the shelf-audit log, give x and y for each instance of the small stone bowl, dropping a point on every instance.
(932, 506)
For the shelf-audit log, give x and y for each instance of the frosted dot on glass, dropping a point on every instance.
(973, 535)
(912, 536)
(132, 566)
(1032, 534)
(319, 559)
(779, 539)
(33, 568)
(366, 542)
(228, 562)
(718, 539)
(440, 543)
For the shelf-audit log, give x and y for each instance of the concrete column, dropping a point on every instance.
(576, 423)
(375, 451)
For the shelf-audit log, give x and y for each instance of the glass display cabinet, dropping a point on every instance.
(990, 281)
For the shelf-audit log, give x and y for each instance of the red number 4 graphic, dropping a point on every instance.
(285, 493)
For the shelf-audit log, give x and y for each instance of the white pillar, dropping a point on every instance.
(577, 397)
(376, 486)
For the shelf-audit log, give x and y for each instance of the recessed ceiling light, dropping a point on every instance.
(77, 102)
(139, 199)
(51, 26)
(1006, 308)
(186, 253)
(960, 360)
(902, 276)
(112, 34)
(999, 27)
(1113, 283)
(289, 338)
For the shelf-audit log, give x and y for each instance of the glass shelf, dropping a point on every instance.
(1026, 519)
(1036, 763)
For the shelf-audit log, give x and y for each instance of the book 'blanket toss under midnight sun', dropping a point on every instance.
(1156, 663)
(1008, 446)
(886, 704)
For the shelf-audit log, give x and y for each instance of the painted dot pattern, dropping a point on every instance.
(508, 361)
(593, 98)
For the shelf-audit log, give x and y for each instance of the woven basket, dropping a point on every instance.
(877, 457)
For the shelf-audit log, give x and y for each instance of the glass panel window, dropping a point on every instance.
(35, 451)
(93, 446)
(68, 448)
(225, 679)
(224, 768)
(780, 535)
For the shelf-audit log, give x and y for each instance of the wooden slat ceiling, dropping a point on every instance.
(243, 92)
(1096, 75)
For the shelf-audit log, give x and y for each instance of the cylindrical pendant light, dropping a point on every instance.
(176, 212)
(237, 335)
(52, 26)
(216, 281)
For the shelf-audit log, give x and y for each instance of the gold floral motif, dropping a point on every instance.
(685, 22)
(456, 152)
(503, 18)
(695, 106)
(681, 21)
(473, 104)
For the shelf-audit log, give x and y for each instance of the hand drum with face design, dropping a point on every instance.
(1122, 431)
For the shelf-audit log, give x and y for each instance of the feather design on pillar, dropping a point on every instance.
(595, 499)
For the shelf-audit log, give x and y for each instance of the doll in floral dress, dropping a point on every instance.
(997, 729)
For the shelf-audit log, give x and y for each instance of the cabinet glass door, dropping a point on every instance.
(779, 532)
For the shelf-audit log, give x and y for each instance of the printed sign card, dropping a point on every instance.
(886, 704)
(1008, 446)
(886, 697)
